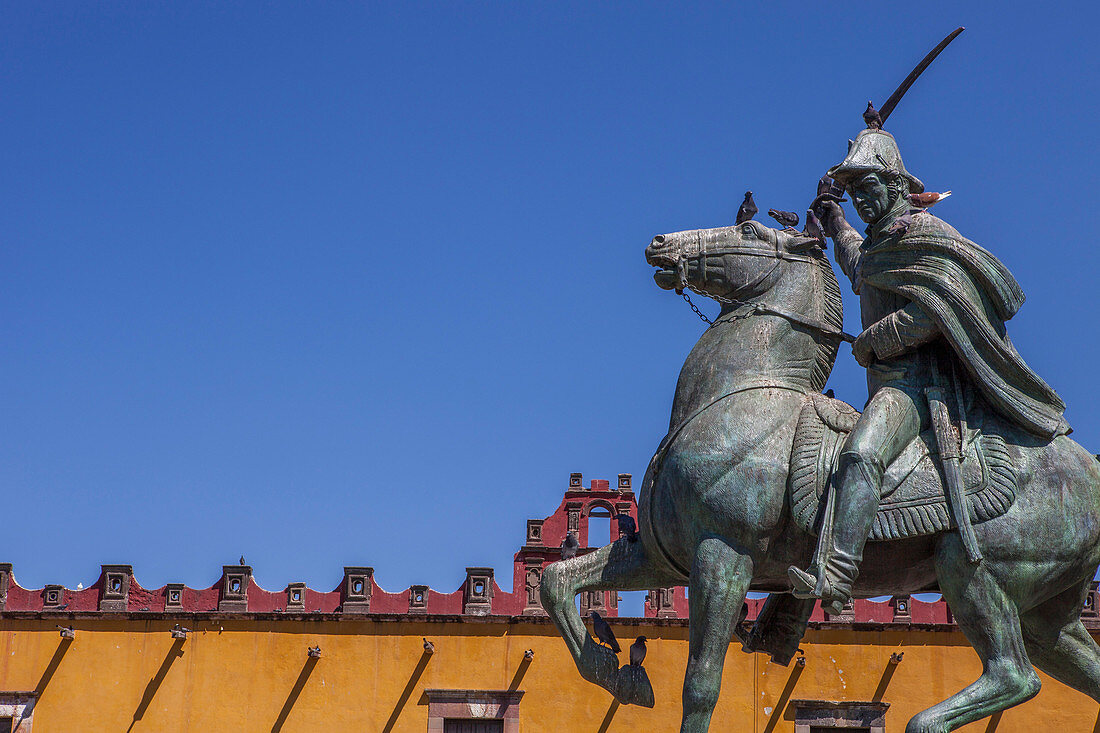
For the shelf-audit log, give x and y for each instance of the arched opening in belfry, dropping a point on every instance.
(599, 526)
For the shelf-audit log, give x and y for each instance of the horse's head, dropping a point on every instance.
(739, 262)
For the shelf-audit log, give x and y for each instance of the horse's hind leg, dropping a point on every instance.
(1058, 643)
(622, 565)
(720, 577)
(991, 622)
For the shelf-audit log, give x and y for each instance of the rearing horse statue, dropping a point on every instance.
(719, 509)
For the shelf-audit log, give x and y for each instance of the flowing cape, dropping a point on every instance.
(969, 294)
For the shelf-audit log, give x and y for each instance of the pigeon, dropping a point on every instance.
(637, 652)
(786, 218)
(813, 226)
(830, 394)
(603, 632)
(928, 198)
(242, 562)
(827, 185)
(901, 224)
(627, 527)
(569, 546)
(429, 648)
(872, 117)
(747, 210)
(314, 652)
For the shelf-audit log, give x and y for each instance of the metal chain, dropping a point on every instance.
(695, 308)
(720, 299)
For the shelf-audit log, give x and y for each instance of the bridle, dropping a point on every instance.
(747, 308)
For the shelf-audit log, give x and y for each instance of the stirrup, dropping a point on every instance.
(804, 585)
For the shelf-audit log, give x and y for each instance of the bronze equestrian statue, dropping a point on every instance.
(934, 306)
(960, 478)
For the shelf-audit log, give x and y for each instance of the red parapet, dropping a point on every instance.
(236, 592)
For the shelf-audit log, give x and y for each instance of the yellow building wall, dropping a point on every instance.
(254, 675)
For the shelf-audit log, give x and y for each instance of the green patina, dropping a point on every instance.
(714, 508)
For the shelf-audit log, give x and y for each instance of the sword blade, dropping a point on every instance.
(892, 102)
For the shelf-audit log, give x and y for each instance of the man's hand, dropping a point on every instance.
(863, 351)
(827, 209)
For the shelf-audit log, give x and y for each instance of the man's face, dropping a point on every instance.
(871, 197)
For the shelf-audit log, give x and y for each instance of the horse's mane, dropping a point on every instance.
(831, 312)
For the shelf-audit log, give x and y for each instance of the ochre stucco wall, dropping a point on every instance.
(246, 675)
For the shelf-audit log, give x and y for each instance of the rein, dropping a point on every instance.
(751, 308)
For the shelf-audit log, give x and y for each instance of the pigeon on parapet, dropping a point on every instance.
(747, 210)
(603, 632)
(569, 546)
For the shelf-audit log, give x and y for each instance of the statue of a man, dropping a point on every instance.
(933, 306)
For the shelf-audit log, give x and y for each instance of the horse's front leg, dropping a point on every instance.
(720, 577)
(622, 565)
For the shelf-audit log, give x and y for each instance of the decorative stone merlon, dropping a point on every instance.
(534, 532)
(576, 482)
(532, 579)
(902, 608)
(573, 516)
(115, 594)
(296, 597)
(53, 596)
(356, 589)
(173, 597)
(5, 583)
(624, 482)
(418, 599)
(478, 593)
(234, 590)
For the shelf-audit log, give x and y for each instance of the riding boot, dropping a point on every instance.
(832, 577)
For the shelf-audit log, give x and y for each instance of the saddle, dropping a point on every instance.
(914, 500)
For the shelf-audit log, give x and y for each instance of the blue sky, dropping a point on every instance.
(341, 283)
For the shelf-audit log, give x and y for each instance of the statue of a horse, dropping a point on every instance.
(715, 514)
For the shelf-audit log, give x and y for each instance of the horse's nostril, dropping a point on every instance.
(659, 239)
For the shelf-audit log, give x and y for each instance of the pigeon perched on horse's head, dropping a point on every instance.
(786, 218)
(637, 651)
(747, 210)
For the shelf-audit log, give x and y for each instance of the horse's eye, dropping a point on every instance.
(748, 230)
